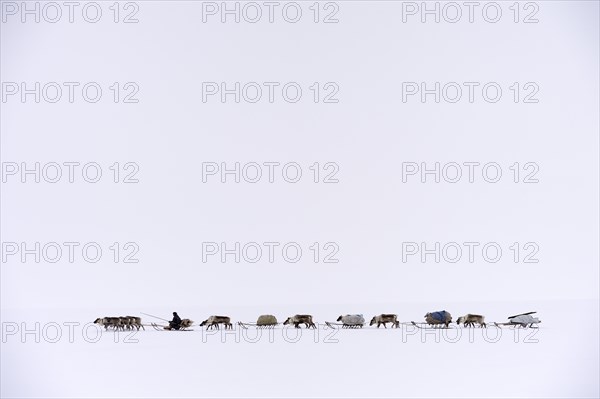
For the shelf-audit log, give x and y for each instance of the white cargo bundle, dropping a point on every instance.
(524, 320)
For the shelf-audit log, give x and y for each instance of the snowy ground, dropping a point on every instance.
(558, 360)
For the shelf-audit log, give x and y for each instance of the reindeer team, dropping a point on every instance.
(120, 323)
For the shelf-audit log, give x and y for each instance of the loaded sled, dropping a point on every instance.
(263, 321)
(523, 320)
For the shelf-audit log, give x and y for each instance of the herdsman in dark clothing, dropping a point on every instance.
(175, 324)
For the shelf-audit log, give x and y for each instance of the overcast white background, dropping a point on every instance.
(369, 213)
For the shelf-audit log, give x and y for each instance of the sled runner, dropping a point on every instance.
(427, 326)
(246, 325)
(335, 325)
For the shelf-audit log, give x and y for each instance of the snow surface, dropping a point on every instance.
(558, 360)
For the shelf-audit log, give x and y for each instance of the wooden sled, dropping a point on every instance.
(425, 326)
(520, 324)
(185, 326)
(336, 325)
(246, 325)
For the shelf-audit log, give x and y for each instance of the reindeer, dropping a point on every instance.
(300, 319)
(469, 320)
(214, 321)
(107, 322)
(126, 322)
(136, 322)
(384, 319)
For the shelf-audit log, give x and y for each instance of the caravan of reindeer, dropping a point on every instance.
(437, 319)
